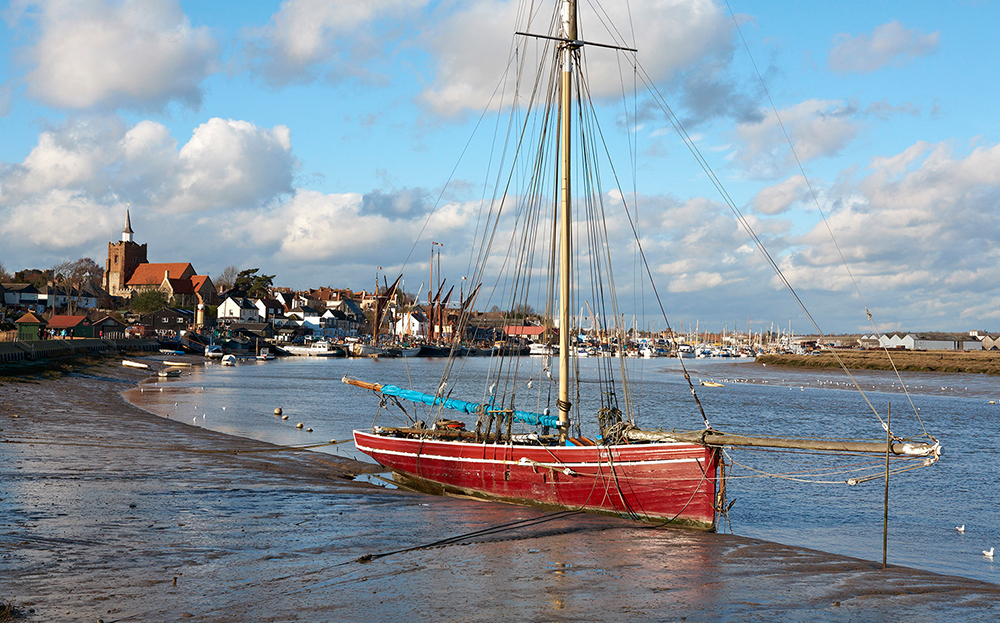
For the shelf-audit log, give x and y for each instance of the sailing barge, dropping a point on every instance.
(534, 457)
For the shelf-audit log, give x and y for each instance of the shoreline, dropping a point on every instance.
(115, 513)
(963, 362)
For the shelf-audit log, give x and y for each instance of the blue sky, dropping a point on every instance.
(312, 138)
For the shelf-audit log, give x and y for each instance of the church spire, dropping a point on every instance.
(127, 232)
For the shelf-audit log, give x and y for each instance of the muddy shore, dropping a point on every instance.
(110, 513)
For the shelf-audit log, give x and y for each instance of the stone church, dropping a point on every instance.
(128, 271)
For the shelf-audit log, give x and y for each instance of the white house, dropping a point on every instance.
(412, 323)
(927, 341)
(238, 310)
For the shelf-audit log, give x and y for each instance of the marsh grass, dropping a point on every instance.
(968, 362)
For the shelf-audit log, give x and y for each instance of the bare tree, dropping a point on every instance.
(76, 278)
(5, 276)
(227, 278)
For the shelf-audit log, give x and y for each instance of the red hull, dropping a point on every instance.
(673, 482)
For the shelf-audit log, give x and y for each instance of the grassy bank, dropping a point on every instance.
(970, 362)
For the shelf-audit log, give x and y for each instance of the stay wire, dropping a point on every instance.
(829, 229)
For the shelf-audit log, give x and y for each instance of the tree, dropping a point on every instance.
(5, 276)
(35, 276)
(77, 277)
(249, 283)
(227, 278)
(148, 301)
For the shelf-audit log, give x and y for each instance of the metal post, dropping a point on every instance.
(885, 518)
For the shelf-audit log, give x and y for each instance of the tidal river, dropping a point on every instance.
(800, 500)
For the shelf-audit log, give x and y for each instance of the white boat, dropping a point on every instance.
(229, 360)
(135, 364)
(543, 349)
(366, 350)
(169, 373)
(316, 349)
(264, 355)
(176, 364)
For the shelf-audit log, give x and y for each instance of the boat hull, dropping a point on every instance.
(660, 482)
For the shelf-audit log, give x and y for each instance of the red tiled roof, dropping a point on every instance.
(152, 274)
(66, 322)
(198, 281)
(526, 330)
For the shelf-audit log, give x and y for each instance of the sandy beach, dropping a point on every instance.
(111, 513)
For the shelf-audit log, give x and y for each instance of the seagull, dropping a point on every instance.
(961, 528)
(988, 553)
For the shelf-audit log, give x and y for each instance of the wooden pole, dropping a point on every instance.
(885, 517)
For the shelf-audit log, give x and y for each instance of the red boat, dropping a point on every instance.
(669, 482)
(540, 457)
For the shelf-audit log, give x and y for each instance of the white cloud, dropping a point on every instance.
(816, 127)
(920, 233)
(56, 220)
(129, 54)
(779, 197)
(308, 39)
(231, 163)
(68, 193)
(888, 44)
(466, 79)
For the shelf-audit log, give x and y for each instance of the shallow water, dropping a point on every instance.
(925, 505)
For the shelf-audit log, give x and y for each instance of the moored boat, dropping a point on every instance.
(541, 457)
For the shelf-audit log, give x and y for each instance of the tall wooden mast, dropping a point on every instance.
(567, 49)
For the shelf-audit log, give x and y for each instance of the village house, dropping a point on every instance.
(237, 309)
(269, 309)
(22, 296)
(412, 324)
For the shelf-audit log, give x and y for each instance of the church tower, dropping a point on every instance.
(123, 258)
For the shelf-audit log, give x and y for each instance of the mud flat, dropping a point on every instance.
(969, 362)
(110, 513)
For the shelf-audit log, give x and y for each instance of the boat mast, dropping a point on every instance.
(567, 48)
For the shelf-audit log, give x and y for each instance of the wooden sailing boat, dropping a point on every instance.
(532, 456)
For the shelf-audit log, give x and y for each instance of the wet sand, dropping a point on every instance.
(109, 512)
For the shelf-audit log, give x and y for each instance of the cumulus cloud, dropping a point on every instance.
(921, 228)
(889, 44)
(816, 127)
(310, 39)
(696, 30)
(72, 185)
(57, 220)
(99, 54)
(231, 163)
(779, 197)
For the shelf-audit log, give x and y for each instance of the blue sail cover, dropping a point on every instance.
(527, 417)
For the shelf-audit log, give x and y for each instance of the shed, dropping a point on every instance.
(71, 326)
(28, 326)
